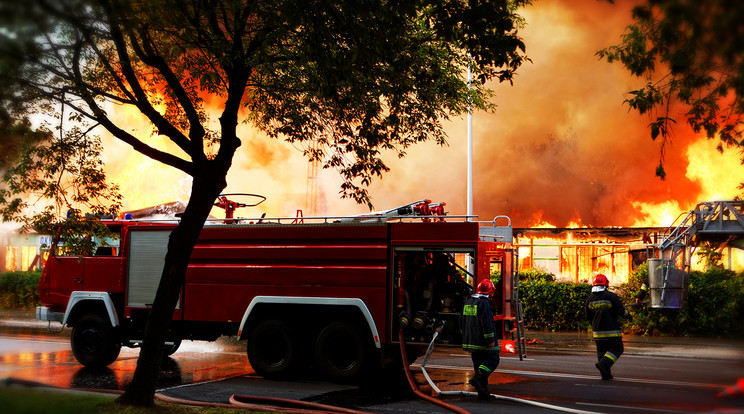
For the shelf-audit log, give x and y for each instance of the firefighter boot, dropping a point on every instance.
(480, 382)
(604, 368)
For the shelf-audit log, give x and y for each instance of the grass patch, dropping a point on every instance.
(45, 401)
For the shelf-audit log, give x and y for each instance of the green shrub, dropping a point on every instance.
(535, 274)
(715, 306)
(19, 290)
(550, 305)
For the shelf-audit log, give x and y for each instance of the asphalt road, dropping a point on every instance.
(655, 375)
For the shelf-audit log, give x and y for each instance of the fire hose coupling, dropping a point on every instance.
(439, 327)
(404, 319)
(435, 325)
(419, 322)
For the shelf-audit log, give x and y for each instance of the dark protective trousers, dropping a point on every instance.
(487, 360)
(609, 350)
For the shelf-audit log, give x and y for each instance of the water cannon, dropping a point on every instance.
(427, 208)
(230, 206)
(437, 209)
(422, 209)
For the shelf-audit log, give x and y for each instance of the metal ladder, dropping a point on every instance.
(518, 315)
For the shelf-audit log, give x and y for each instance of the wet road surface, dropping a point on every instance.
(652, 377)
(33, 354)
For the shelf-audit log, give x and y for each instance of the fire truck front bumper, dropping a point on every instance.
(43, 313)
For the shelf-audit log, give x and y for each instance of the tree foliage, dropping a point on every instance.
(346, 80)
(690, 54)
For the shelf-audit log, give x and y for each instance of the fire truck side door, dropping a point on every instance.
(69, 276)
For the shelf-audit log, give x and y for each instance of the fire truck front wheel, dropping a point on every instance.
(272, 349)
(341, 351)
(94, 342)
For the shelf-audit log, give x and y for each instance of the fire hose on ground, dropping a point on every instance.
(260, 404)
(467, 393)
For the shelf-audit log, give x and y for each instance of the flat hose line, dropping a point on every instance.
(412, 383)
(499, 397)
(236, 401)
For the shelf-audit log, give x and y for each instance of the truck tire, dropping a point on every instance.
(94, 341)
(272, 349)
(341, 351)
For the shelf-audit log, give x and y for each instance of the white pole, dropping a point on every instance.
(470, 160)
(470, 148)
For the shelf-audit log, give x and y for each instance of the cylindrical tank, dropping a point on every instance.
(666, 283)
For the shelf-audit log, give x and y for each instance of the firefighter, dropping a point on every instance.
(479, 337)
(603, 309)
(642, 293)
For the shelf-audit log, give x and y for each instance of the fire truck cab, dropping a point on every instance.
(329, 294)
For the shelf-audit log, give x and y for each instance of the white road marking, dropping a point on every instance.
(582, 376)
(625, 407)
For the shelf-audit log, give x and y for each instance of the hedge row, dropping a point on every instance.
(554, 306)
(19, 290)
(715, 305)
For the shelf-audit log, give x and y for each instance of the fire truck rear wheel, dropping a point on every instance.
(271, 349)
(94, 342)
(341, 351)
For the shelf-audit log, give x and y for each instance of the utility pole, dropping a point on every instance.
(470, 160)
(470, 148)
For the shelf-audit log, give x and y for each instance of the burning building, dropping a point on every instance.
(577, 254)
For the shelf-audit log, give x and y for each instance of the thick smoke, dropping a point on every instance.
(561, 147)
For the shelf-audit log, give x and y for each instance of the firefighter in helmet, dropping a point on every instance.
(603, 309)
(479, 337)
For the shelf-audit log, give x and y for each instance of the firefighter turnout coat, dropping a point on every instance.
(603, 308)
(477, 325)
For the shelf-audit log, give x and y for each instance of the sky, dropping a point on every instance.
(561, 148)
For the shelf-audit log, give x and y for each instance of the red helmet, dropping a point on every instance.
(600, 280)
(486, 287)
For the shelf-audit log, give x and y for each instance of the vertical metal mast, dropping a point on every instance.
(470, 264)
(470, 147)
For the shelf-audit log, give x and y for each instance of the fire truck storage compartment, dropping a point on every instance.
(147, 251)
(430, 289)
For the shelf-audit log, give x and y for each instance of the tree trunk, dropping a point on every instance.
(141, 391)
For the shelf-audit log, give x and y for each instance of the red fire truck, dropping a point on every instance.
(329, 293)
